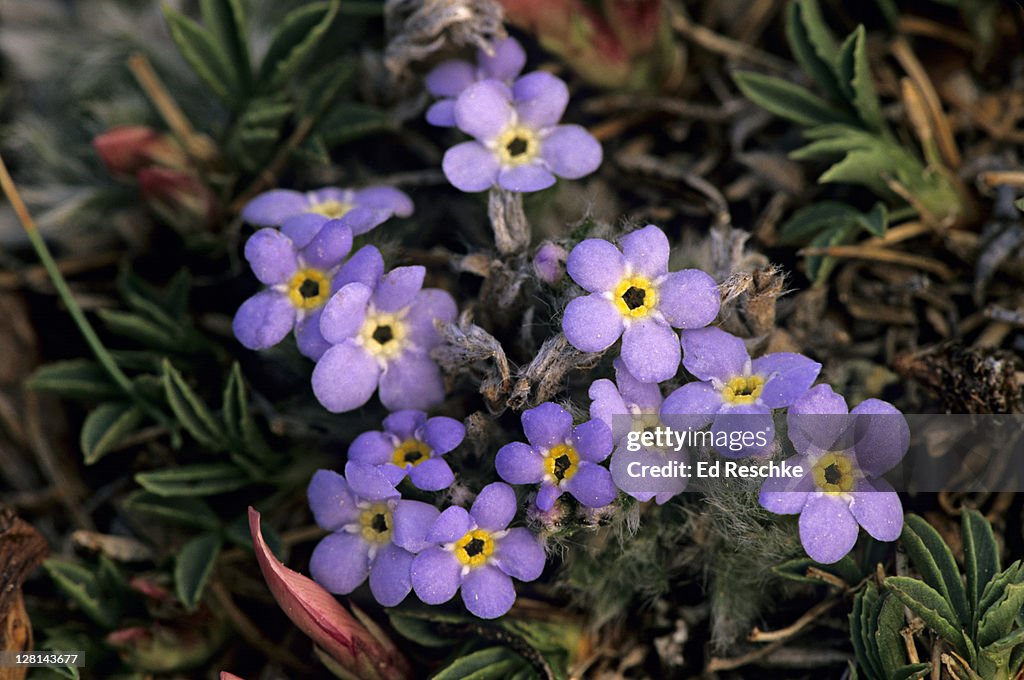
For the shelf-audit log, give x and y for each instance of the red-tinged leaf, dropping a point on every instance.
(224, 675)
(316, 613)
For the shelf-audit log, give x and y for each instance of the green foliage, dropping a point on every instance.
(830, 223)
(981, 620)
(193, 566)
(88, 589)
(106, 426)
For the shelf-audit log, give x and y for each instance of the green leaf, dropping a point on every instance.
(105, 427)
(295, 39)
(484, 664)
(934, 560)
(999, 619)
(240, 425)
(225, 20)
(855, 79)
(187, 511)
(141, 329)
(75, 379)
(787, 100)
(83, 586)
(204, 479)
(191, 411)
(348, 121)
(193, 566)
(813, 45)
(419, 631)
(912, 672)
(258, 131)
(321, 89)
(860, 647)
(810, 220)
(932, 607)
(202, 52)
(1005, 644)
(891, 649)
(981, 555)
(796, 570)
(819, 267)
(876, 221)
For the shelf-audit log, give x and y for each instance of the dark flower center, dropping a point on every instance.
(309, 289)
(634, 297)
(517, 147)
(562, 463)
(379, 523)
(413, 456)
(833, 474)
(474, 547)
(383, 334)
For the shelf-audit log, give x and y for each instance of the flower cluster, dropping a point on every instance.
(517, 144)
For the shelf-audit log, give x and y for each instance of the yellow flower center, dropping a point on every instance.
(517, 145)
(375, 523)
(383, 334)
(635, 297)
(308, 288)
(562, 462)
(330, 209)
(743, 389)
(473, 549)
(833, 473)
(411, 452)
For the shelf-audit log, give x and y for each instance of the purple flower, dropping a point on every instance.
(360, 209)
(561, 457)
(628, 405)
(450, 78)
(300, 278)
(369, 538)
(411, 444)
(737, 394)
(475, 551)
(633, 295)
(842, 457)
(549, 263)
(518, 145)
(381, 328)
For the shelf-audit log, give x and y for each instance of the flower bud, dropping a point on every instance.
(549, 263)
(126, 150)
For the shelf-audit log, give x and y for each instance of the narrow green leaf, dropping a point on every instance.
(934, 560)
(191, 411)
(855, 79)
(996, 587)
(141, 329)
(787, 100)
(998, 620)
(204, 479)
(808, 221)
(419, 631)
(193, 566)
(105, 427)
(912, 672)
(321, 89)
(294, 40)
(1006, 643)
(475, 662)
(347, 121)
(981, 555)
(932, 607)
(796, 569)
(876, 221)
(819, 267)
(202, 52)
(82, 586)
(75, 379)
(891, 649)
(813, 45)
(193, 512)
(856, 618)
(225, 20)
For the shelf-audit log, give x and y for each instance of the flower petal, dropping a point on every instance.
(368, 481)
(443, 434)
(540, 99)
(518, 463)
(520, 555)
(877, 508)
(329, 247)
(646, 250)
(302, 228)
(451, 525)
(787, 377)
(712, 353)
(547, 425)
(411, 381)
(592, 440)
(435, 575)
(442, 113)
(827, 529)
(411, 522)
(483, 110)
(592, 485)
(450, 78)
(650, 350)
(745, 428)
(343, 315)
(591, 323)
(429, 305)
(596, 265)
(692, 406)
(470, 166)
(366, 266)
(689, 299)
(494, 507)
(345, 377)
(340, 562)
(432, 474)
(547, 495)
(331, 501)
(308, 338)
(571, 152)
(363, 220)
(386, 198)
(398, 288)
(881, 434)
(487, 592)
(645, 396)
(818, 420)
(373, 448)
(405, 424)
(271, 208)
(506, 62)
(271, 255)
(526, 177)
(389, 575)
(788, 495)
(263, 320)
(606, 403)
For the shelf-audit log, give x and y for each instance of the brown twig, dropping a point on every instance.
(719, 664)
(884, 255)
(782, 634)
(721, 45)
(939, 122)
